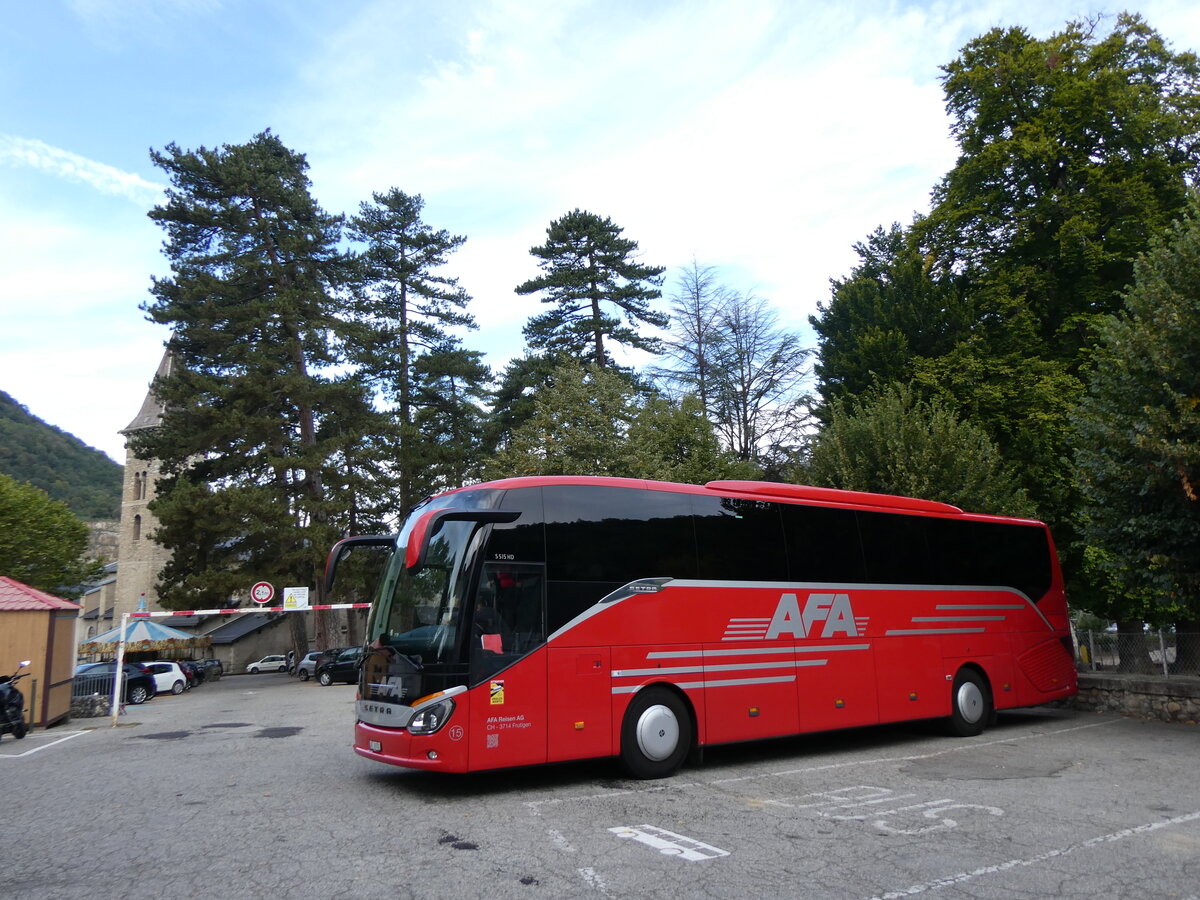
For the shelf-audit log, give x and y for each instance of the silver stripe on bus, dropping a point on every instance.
(728, 667)
(755, 651)
(949, 606)
(732, 682)
(959, 618)
(899, 632)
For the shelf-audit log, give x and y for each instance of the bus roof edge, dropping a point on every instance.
(781, 491)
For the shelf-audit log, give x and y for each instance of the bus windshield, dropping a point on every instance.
(418, 615)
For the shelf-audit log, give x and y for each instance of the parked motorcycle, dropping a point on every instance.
(12, 704)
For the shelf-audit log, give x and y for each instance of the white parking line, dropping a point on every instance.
(32, 750)
(1034, 860)
(669, 843)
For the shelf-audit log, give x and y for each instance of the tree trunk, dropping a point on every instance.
(1132, 649)
(299, 631)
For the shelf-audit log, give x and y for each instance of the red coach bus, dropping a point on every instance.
(536, 620)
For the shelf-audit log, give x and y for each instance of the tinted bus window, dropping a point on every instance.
(992, 553)
(895, 549)
(739, 540)
(823, 544)
(616, 535)
(523, 540)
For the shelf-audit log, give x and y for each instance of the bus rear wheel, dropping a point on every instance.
(970, 704)
(656, 734)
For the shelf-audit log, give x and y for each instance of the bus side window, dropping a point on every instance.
(509, 616)
(895, 548)
(823, 544)
(739, 540)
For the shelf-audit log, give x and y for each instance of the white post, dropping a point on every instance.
(120, 670)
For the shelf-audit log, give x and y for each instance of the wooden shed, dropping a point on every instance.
(37, 626)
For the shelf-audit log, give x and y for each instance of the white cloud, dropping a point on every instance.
(35, 154)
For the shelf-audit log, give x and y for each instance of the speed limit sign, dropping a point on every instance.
(262, 592)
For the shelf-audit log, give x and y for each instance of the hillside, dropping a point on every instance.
(59, 463)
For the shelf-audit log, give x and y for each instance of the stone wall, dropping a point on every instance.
(1168, 699)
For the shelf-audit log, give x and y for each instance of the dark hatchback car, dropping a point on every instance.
(343, 667)
(97, 678)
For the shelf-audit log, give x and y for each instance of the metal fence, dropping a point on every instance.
(85, 685)
(1160, 653)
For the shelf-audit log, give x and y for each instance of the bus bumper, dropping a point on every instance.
(396, 747)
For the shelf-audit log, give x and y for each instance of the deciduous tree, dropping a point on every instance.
(895, 443)
(42, 543)
(760, 403)
(1139, 437)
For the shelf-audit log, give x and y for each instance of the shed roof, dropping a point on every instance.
(16, 596)
(240, 626)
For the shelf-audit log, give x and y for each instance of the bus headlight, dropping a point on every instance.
(431, 718)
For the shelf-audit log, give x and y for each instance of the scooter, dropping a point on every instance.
(12, 704)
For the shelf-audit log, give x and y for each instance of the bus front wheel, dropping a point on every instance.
(656, 734)
(970, 704)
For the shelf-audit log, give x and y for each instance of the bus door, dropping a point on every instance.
(508, 666)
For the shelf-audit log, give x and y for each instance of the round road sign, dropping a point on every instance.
(262, 592)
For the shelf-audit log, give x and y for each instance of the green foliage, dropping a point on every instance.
(1138, 451)
(58, 463)
(512, 400)
(893, 443)
(676, 442)
(888, 313)
(598, 290)
(590, 420)
(1074, 151)
(579, 426)
(451, 386)
(42, 543)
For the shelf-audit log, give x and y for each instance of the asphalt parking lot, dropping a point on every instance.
(247, 787)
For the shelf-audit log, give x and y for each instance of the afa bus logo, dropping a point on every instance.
(822, 616)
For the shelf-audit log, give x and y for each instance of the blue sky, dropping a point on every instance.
(764, 138)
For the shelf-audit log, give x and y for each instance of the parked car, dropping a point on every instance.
(275, 663)
(307, 667)
(343, 667)
(194, 672)
(97, 678)
(212, 668)
(168, 676)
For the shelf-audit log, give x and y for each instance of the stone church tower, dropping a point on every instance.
(141, 559)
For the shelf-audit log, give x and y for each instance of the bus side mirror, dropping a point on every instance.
(342, 546)
(429, 524)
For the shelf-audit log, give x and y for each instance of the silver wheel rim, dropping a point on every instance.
(657, 732)
(970, 701)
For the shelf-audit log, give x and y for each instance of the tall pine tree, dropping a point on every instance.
(407, 308)
(599, 293)
(254, 427)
